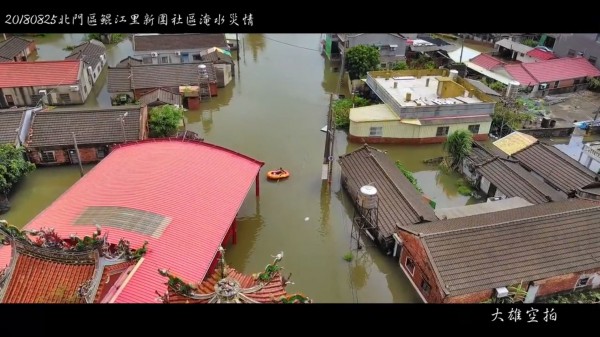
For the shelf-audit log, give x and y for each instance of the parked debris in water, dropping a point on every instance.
(434, 161)
(306, 219)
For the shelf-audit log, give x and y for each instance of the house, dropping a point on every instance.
(96, 130)
(15, 124)
(232, 41)
(392, 46)
(514, 51)
(398, 201)
(224, 65)
(93, 55)
(175, 48)
(136, 80)
(548, 248)
(227, 285)
(16, 49)
(48, 82)
(505, 178)
(158, 97)
(420, 107)
(569, 45)
(134, 195)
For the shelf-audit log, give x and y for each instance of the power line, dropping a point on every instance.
(292, 45)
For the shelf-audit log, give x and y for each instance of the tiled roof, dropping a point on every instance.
(541, 54)
(36, 280)
(198, 187)
(555, 167)
(148, 76)
(91, 126)
(217, 57)
(12, 47)
(499, 249)
(514, 181)
(519, 74)
(486, 61)
(89, 52)
(10, 121)
(160, 96)
(178, 42)
(561, 69)
(41, 73)
(399, 202)
(128, 62)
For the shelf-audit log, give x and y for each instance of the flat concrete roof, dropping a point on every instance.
(486, 207)
(373, 113)
(420, 92)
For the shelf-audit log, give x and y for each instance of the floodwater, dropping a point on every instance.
(273, 111)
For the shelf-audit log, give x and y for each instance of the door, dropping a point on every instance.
(531, 293)
(185, 57)
(10, 101)
(73, 157)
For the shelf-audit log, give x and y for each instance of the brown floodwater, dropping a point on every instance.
(273, 111)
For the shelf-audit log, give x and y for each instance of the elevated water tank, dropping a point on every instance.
(453, 74)
(367, 197)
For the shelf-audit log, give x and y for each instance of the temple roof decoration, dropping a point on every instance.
(47, 268)
(226, 285)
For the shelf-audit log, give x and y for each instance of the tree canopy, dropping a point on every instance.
(361, 59)
(164, 121)
(458, 146)
(341, 110)
(13, 166)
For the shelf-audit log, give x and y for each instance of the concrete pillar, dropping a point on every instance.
(588, 162)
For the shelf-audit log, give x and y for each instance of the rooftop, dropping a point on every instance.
(89, 52)
(481, 208)
(180, 196)
(12, 47)
(40, 73)
(423, 91)
(515, 142)
(499, 249)
(10, 122)
(160, 96)
(147, 76)
(516, 46)
(177, 42)
(547, 71)
(486, 61)
(371, 113)
(541, 54)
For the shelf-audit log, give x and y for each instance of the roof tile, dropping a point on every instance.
(40, 73)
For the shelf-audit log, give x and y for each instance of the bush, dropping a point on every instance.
(341, 110)
(348, 257)
(164, 121)
(464, 190)
(409, 175)
(594, 84)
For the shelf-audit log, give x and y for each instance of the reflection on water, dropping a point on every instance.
(574, 148)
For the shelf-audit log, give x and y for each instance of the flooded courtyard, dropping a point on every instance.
(273, 111)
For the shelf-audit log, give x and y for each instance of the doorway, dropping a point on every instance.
(73, 157)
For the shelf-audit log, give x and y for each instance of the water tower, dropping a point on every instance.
(204, 82)
(366, 213)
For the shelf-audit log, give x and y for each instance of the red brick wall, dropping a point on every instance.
(413, 248)
(477, 297)
(563, 283)
(88, 155)
(412, 141)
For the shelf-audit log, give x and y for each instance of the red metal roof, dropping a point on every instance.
(42, 73)
(198, 187)
(541, 54)
(517, 72)
(561, 69)
(486, 61)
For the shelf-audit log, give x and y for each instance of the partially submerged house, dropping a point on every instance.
(227, 285)
(175, 48)
(398, 202)
(16, 49)
(96, 130)
(420, 107)
(132, 195)
(93, 55)
(224, 65)
(44, 82)
(548, 248)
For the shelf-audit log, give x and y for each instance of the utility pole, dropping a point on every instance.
(237, 43)
(77, 152)
(462, 48)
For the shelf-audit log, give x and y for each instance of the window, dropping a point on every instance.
(583, 281)
(147, 60)
(376, 131)
(593, 59)
(442, 131)
(48, 156)
(9, 100)
(474, 129)
(522, 54)
(101, 152)
(383, 66)
(410, 265)
(425, 287)
(65, 98)
(556, 84)
(347, 44)
(164, 59)
(196, 57)
(571, 53)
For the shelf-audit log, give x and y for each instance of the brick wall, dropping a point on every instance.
(413, 248)
(564, 283)
(88, 155)
(477, 297)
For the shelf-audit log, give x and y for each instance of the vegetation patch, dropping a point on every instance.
(409, 175)
(164, 121)
(341, 110)
(360, 60)
(348, 257)
(581, 297)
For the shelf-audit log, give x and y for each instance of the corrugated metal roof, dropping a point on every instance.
(486, 61)
(199, 186)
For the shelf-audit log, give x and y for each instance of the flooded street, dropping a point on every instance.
(273, 111)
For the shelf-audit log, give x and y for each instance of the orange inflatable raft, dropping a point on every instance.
(278, 174)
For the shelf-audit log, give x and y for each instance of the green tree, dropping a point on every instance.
(400, 66)
(361, 59)
(13, 167)
(458, 146)
(507, 114)
(530, 43)
(164, 121)
(107, 38)
(341, 109)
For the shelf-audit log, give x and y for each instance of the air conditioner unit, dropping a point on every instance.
(501, 292)
(42, 92)
(543, 86)
(53, 96)
(178, 53)
(154, 54)
(74, 88)
(90, 70)
(102, 58)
